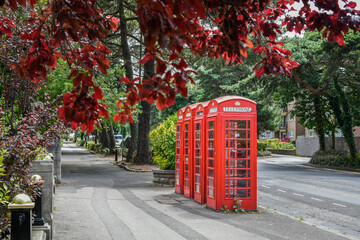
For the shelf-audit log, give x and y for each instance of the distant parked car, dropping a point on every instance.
(118, 140)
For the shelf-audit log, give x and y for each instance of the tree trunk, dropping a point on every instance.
(143, 149)
(333, 142)
(133, 142)
(342, 113)
(110, 133)
(319, 123)
(104, 138)
(129, 74)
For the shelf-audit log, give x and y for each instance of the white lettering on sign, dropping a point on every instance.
(180, 117)
(212, 110)
(237, 109)
(188, 114)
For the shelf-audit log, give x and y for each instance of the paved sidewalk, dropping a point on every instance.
(98, 200)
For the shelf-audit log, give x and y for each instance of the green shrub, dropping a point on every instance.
(263, 153)
(287, 145)
(90, 145)
(261, 146)
(273, 140)
(335, 159)
(163, 140)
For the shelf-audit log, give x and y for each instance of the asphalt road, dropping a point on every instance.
(328, 199)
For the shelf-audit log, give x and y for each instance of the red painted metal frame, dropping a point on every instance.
(188, 129)
(235, 170)
(179, 157)
(200, 152)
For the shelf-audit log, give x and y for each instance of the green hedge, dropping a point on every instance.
(163, 140)
(275, 143)
(335, 159)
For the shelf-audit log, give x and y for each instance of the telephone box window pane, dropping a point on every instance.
(241, 124)
(211, 125)
(238, 173)
(211, 173)
(248, 135)
(186, 135)
(248, 173)
(197, 188)
(211, 153)
(241, 134)
(248, 126)
(197, 135)
(240, 154)
(248, 144)
(186, 167)
(186, 159)
(178, 143)
(178, 151)
(248, 164)
(177, 181)
(248, 195)
(241, 144)
(197, 143)
(232, 124)
(226, 154)
(211, 163)
(237, 164)
(197, 161)
(186, 127)
(211, 182)
(197, 170)
(178, 128)
(211, 144)
(227, 144)
(177, 173)
(178, 135)
(177, 166)
(211, 192)
(186, 151)
(186, 183)
(186, 175)
(248, 183)
(197, 153)
(241, 193)
(197, 179)
(211, 134)
(198, 126)
(186, 143)
(226, 124)
(248, 155)
(241, 184)
(177, 158)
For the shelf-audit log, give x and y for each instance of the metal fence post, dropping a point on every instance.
(39, 220)
(20, 208)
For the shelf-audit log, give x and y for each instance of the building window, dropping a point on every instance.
(263, 135)
(291, 117)
(310, 133)
(339, 133)
(291, 133)
(271, 135)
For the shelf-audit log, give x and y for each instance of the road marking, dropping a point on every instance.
(315, 170)
(340, 205)
(297, 194)
(281, 190)
(265, 186)
(316, 199)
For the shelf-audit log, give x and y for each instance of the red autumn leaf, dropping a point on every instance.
(351, 5)
(260, 71)
(148, 56)
(98, 93)
(173, 56)
(114, 24)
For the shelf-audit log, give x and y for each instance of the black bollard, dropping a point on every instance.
(39, 220)
(116, 154)
(20, 208)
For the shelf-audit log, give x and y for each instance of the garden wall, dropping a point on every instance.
(307, 146)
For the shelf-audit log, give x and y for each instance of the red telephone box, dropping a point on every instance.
(179, 161)
(188, 129)
(231, 152)
(200, 152)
